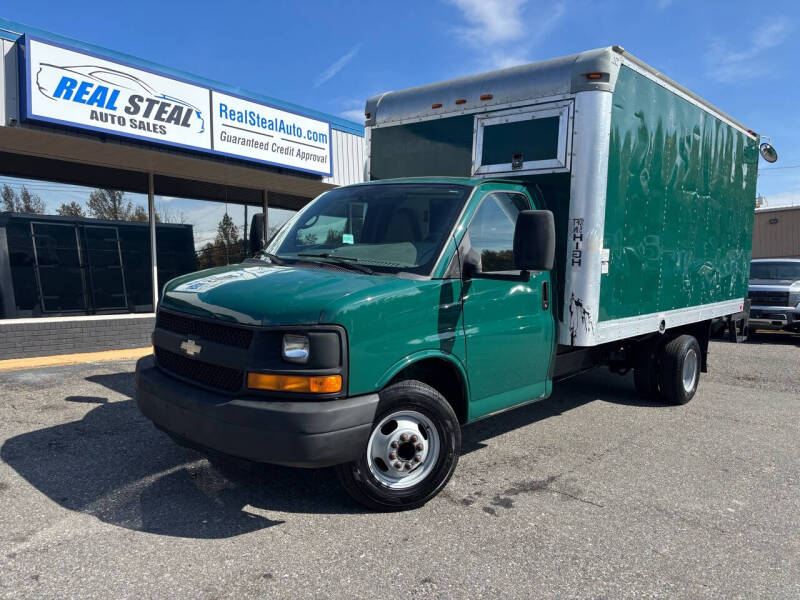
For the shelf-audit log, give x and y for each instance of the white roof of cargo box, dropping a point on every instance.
(545, 79)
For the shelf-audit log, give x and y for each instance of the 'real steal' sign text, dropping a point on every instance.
(70, 87)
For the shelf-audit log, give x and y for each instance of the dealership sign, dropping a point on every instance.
(69, 87)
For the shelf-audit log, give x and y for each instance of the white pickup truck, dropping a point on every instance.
(775, 294)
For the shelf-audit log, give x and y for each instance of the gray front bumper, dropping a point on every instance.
(774, 317)
(303, 433)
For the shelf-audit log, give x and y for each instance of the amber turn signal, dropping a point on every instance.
(318, 384)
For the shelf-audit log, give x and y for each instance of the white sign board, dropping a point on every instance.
(244, 128)
(75, 89)
(71, 87)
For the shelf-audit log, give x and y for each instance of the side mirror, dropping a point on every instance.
(768, 153)
(257, 243)
(534, 240)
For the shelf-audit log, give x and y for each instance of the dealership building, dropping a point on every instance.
(118, 174)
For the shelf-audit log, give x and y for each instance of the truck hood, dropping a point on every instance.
(265, 294)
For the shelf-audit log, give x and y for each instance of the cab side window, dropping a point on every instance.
(491, 232)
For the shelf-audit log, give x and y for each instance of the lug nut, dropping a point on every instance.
(408, 466)
(398, 465)
(420, 447)
(393, 455)
(417, 458)
(403, 437)
(394, 444)
(414, 439)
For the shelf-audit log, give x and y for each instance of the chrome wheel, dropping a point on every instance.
(690, 371)
(403, 449)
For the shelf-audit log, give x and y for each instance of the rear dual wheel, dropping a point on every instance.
(412, 450)
(679, 369)
(669, 371)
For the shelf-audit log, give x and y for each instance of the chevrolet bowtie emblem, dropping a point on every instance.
(190, 347)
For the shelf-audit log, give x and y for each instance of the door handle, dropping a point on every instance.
(545, 295)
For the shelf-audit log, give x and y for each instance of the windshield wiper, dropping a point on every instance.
(346, 261)
(275, 260)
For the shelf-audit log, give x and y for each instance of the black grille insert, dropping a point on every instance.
(222, 378)
(214, 332)
(769, 298)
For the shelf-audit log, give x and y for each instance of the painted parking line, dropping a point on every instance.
(73, 359)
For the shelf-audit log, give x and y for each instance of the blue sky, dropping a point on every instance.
(741, 56)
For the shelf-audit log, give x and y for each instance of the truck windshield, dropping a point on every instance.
(387, 227)
(775, 270)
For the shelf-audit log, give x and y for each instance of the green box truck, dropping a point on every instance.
(518, 227)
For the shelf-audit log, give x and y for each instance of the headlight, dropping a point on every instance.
(295, 348)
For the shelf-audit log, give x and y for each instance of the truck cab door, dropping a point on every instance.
(507, 314)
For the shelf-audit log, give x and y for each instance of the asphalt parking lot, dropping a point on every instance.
(591, 493)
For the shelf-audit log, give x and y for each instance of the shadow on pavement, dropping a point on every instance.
(777, 338)
(567, 395)
(113, 464)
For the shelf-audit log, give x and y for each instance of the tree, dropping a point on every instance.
(112, 205)
(226, 249)
(9, 199)
(227, 232)
(24, 201)
(165, 215)
(140, 214)
(30, 203)
(334, 236)
(72, 209)
(228, 244)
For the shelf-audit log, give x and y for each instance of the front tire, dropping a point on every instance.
(411, 453)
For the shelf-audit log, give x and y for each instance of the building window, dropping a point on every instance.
(192, 235)
(68, 250)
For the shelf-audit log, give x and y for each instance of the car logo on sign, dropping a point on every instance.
(191, 347)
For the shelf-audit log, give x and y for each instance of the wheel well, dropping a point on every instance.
(701, 331)
(444, 377)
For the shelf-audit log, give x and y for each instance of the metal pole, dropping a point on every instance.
(244, 227)
(266, 216)
(151, 204)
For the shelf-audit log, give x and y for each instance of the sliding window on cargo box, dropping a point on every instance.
(523, 140)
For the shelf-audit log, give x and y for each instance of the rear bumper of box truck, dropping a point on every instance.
(303, 433)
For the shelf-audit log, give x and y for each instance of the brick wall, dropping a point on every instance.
(22, 340)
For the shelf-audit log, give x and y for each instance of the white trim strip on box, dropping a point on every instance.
(617, 329)
(32, 320)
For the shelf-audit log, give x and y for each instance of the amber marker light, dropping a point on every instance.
(594, 76)
(461, 101)
(436, 105)
(486, 96)
(318, 384)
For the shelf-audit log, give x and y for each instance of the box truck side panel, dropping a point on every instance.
(679, 207)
